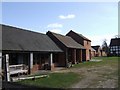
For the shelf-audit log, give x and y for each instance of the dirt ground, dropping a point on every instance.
(99, 76)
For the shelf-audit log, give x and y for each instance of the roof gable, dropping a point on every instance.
(80, 35)
(96, 47)
(67, 41)
(115, 42)
(92, 49)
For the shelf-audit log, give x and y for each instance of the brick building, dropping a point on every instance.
(34, 50)
(79, 38)
(72, 49)
(98, 50)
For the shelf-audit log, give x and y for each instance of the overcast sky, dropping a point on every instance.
(95, 20)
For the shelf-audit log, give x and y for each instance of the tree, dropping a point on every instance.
(105, 47)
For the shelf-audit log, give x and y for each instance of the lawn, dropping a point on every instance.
(55, 80)
(111, 61)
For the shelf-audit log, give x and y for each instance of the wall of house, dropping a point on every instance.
(114, 51)
(98, 52)
(18, 58)
(84, 55)
(85, 43)
(74, 56)
(69, 54)
(78, 55)
(104, 53)
(93, 53)
(87, 46)
(59, 60)
(39, 61)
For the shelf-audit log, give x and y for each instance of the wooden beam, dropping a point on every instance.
(0, 62)
(74, 56)
(51, 59)
(7, 67)
(51, 62)
(66, 57)
(31, 60)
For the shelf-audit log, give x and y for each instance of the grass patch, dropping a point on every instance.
(55, 80)
(111, 61)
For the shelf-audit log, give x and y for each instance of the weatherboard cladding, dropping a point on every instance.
(24, 40)
(67, 41)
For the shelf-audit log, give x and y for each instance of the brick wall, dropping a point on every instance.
(87, 46)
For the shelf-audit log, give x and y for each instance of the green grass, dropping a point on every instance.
(55, 80)
(112, 61)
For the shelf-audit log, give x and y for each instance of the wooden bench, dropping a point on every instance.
(18, 69)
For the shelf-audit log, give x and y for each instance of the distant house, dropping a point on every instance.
(79, 38)
(34, 50)
(115, 47)
(98, 50)
(72, 49)
(93, 52)
(104, 53)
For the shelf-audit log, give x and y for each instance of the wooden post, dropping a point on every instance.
(66, 57)
(81, 57)
(78, 54)
(7, 67)
(74, 56)
(1, 70)
(51, 61)
(31, 60)
(0, 62)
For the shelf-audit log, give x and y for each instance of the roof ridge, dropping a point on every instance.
(27, 30)
(80, 35)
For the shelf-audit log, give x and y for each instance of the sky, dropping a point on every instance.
(95, 20)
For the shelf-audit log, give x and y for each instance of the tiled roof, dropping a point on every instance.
(24, 40)
(115, 42)
(67, 41)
